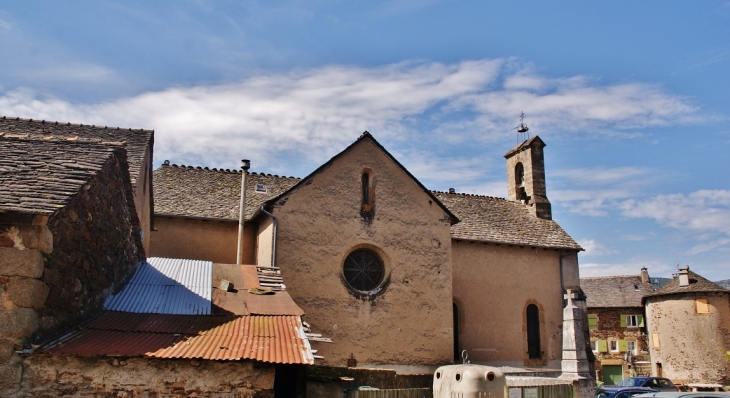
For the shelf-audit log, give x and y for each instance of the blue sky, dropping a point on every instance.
(632, 99)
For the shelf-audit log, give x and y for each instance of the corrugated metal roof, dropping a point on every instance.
(167, 286)
(275, 339)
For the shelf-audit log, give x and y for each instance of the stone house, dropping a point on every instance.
(138, 144)
(69, 236)
(688, 323)
(399, 276)
(617, 324)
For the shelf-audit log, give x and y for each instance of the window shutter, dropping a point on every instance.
(655, 339)
(622, 345)
(640, 318)
(703, 307)
(602, 346)
(592, 322)
(623, 321)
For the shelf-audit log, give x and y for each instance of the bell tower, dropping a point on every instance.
(526, 177)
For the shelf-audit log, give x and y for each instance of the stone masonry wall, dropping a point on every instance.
(54, 271)
(52, 376)
(609, 328)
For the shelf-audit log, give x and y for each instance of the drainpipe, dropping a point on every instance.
(276, 228)
(245, 165)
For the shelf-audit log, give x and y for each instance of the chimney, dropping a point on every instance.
(645, 276)
(526, 177)
(684, 276)
(245, 165)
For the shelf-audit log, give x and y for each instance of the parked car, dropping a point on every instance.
(655, 383)
(621, 392)
(674, 394)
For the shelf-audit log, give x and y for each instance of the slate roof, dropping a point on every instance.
(524, 145)
(697, 284)
(137, 140)
(497, 220)
(40, 175)
(188, 191)
(614, 291)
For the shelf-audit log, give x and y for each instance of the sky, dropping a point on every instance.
(631, 98)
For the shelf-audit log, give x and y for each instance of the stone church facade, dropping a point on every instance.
(397, 275)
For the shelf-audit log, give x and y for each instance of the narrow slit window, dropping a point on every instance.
(367, 206)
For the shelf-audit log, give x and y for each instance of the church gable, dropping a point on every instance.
(359, 238)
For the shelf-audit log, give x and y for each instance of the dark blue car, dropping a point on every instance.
(655, 383)
(621, 392)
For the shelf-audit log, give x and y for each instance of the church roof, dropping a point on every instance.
(137, 140)
(39, 175)
(524, 145)
(697, 284)
(187, 191)
(497, 220)
(196, 192)
(614, 291)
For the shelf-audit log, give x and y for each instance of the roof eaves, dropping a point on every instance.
(496, 242)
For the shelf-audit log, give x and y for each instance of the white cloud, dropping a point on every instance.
(700, 211)
(593, 248)
(707, 246)
(312, 113)
(630, 267)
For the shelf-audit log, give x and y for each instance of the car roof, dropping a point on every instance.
(677, 394)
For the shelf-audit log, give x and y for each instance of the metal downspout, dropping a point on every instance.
(245, 165)
(562, 281)
(276, 229)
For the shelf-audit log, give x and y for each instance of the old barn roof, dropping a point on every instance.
(496, 220)
(40, 175)
(188, 191)
(614, 291)
(138, 141)
(273, 339)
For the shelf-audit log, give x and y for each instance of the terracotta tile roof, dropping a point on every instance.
(274, 339)
(137, 140)
(697, 284)
(39, 175)
(488, 219)
(189, 191)
(614, 291)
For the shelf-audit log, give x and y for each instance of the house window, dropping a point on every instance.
(533, 332)
(613, 345)
(592, 321)
(363, 270)
(631, 347)
(702, 305)
(260, 188)
(632, 321)
(594, 345)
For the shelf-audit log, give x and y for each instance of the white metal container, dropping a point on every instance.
(468, 381)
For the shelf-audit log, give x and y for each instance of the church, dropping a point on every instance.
(397, 275)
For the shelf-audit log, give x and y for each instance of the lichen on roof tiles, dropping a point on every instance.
(137, 140)
(205, 193)
(698, 284)
(489, 219)
(615, 291)
(39, 176)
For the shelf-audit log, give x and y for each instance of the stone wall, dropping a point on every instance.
(56, 269)
(609, 328)
(692, 347)
(51, 376)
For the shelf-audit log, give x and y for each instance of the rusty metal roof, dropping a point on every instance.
(167, 286)
(274, 339)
